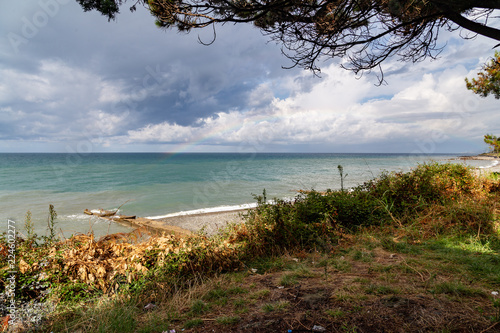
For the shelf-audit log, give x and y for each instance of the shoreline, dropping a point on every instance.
(495, 167)
(212, 220)
(211, 223)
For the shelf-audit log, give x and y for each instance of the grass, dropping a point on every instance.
(228, 320)
(191, 323)
(456, 288)
(277, 306)
(199, 307)
(380, 290)
(410, 242)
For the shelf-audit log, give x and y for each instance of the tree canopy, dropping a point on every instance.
(493, 142)
(365, 32)
(488, 80)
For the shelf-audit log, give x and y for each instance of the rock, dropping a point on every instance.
(149, 306)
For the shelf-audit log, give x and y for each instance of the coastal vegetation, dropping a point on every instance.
(415, 251)
(488, 79)
(493, 142)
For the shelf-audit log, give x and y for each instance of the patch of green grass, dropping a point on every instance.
(275, 307)
(303, 272)
(400, 247)
(240, 306)
(215, 294)
(118, 319)
(199, 307)
(155, 324)
(456, 289)
(475, 259)
(193, 323)
(263, 293)
(380, 290)
(361, 280)
(390, 277)
(323, 262)
(240, 302)
(288, 280)
(337, 313)
(477, 245)
(237, 290)
(362, 256)
(268, 307)
(268, 264)
(383, 268)
(231, 320)
(341, 265)
(343, 297)
(239, 277)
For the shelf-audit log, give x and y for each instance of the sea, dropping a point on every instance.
(157, 185)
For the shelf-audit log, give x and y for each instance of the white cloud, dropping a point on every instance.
(164, 132)
(335, 112)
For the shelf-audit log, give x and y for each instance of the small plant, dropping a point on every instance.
(237, 290)
(263, 293)
(155, 324)
(380, 290)
(341, 265)
(288, 280)
(362, 256)
(119, 318)
(193, 323)
(456, 288)
(496, 304)
(199, 307)
(240, 305)
(342, 176)
(337, 313)
(278, 306)
(216, 294)
(28, 226)
(51, 224)
(228, 320)
(268, 307)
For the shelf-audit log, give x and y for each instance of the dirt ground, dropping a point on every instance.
(381, 293)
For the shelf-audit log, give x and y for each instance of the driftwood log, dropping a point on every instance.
(153, 226)
(101, 212)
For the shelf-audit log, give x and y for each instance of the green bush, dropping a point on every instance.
(312, 219)
(434, 183)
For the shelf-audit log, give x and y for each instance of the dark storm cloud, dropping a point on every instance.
(154, 75)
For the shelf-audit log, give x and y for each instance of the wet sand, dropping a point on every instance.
(210, 223)
(484, 171)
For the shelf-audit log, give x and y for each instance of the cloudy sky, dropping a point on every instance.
(73, 82)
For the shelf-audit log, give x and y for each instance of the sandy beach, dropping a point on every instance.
(210, 223)
(484, 171)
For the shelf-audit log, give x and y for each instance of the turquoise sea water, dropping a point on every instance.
(155, 184)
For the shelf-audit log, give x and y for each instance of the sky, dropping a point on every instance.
(73, 82)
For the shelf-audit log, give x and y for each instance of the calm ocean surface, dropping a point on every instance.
(155, 184)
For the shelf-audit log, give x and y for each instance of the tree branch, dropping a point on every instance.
(471, 25)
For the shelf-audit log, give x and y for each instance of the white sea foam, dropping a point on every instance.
(218, 209)
(77, 216)
(491, 165)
